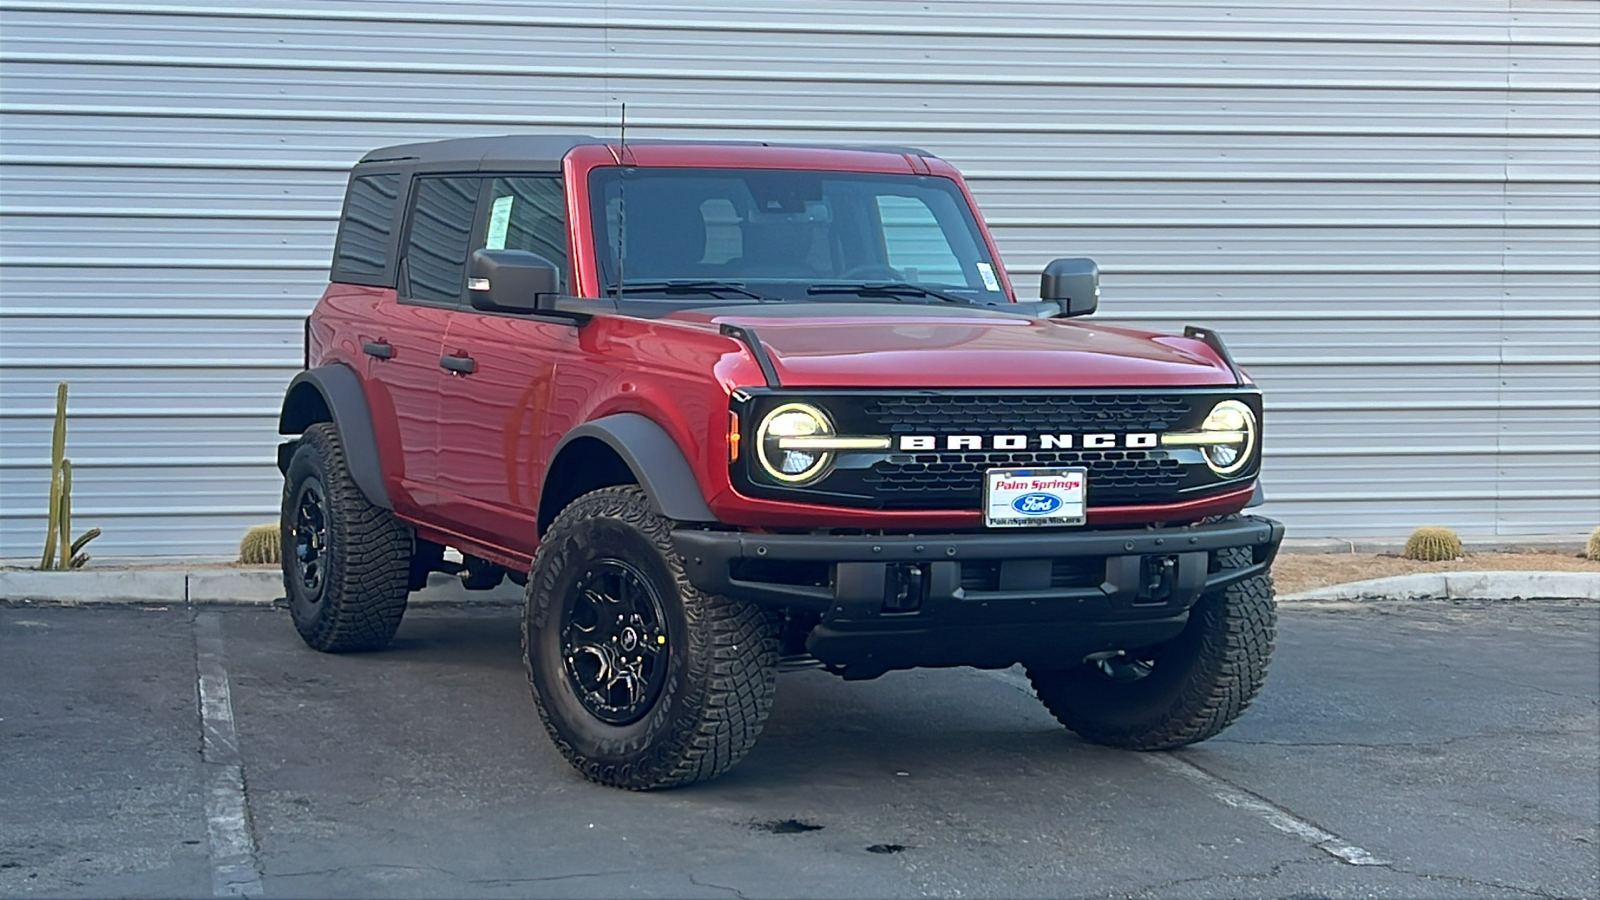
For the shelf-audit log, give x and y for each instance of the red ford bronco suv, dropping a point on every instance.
(730, 408)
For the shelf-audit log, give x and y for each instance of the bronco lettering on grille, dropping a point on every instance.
(1134, 441)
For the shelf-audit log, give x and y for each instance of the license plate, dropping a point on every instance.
(1020, 498)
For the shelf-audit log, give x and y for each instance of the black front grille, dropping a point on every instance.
(947, 478)
(1007, 414)
(956, 479)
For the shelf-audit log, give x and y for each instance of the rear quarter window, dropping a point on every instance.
(362, 253)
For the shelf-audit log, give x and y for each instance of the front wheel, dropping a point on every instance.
(1180, 692)
(642, 681)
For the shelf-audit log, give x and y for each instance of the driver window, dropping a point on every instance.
(528, 212)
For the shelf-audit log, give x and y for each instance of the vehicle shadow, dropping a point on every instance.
(821, 729)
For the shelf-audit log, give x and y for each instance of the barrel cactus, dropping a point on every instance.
(1593, 550)
(1432, 544)
(259, 546)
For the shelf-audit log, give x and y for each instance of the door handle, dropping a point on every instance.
(380, 349)
(462, 365)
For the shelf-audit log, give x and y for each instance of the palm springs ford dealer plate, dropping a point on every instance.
(1014, 498)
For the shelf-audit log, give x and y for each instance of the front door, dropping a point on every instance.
(495, 421)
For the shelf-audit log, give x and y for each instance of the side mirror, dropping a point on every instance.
(1073, 284)
(514, 281)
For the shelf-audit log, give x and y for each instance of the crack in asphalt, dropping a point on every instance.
(721, 887)
(340, 869)
(1469, 881)
(536, 878)
(1162, 888)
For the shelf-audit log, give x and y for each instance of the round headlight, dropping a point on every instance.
(1234, 425)
(780, 443)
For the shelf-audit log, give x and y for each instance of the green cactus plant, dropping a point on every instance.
(60, 550)
(1432, 543)
(1592, 551)
(260, 546)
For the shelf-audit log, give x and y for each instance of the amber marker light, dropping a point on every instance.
(733, 436)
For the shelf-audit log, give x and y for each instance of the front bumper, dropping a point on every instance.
(985, 599)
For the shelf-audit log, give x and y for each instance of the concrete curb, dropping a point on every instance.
(205, 587)
(263, 587)
(1561, 543)
(1462, 586)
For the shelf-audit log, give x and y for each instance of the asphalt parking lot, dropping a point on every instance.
(1423, 749)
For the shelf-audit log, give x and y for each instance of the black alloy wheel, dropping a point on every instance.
(614, 641)
(311, 537)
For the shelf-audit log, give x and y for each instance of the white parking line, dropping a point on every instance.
(234, 869)
(1271, 813)
(1238, 798)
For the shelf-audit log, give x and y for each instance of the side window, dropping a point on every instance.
(528, 212)
(361, 254)
(441, 230)
(915, 243)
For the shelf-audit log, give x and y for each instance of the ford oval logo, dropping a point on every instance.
(1036, 504)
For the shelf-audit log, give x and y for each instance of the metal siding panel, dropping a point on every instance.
(1391, 212)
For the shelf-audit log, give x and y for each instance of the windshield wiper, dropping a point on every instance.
(892, 289)
(687, 286)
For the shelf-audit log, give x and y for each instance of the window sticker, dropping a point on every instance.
(986, 272)
(499, 221)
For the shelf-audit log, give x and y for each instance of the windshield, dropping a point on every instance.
(781, 233)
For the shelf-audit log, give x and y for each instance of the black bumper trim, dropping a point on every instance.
(866, 626)
(709, 556)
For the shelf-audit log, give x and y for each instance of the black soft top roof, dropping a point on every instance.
(545, 151)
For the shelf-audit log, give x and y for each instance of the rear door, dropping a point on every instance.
(406, 344)
(499, 422)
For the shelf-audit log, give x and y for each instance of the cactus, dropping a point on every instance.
(1432, 543)
(58, 447)
(60, 550)
(1592, 551)
(64, 516)
(260, 546)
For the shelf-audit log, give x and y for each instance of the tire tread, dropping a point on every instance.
(368, 578)
(1240, 629)
(731, 657)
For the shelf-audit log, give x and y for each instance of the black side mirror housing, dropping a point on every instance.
(1073, 284)
(513, 281)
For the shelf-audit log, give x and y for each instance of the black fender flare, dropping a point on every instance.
(339, 391)
(654, 458)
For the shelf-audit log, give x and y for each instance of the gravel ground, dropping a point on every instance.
(1294, 572)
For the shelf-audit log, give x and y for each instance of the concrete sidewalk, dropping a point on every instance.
(262, 586)
(202, 585)
(1516, 585)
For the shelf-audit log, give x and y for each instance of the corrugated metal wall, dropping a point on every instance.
(1392, 211)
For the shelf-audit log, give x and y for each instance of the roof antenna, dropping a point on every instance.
(622, 206)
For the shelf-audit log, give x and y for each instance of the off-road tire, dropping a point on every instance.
(1201, 682)
(721, 665)
(366, 561)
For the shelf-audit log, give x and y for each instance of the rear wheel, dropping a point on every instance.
(642, 681)
(346, 562)
(1180, 692)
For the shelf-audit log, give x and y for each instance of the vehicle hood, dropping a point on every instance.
(969, 348)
